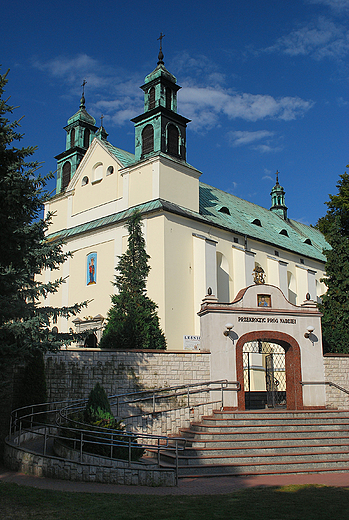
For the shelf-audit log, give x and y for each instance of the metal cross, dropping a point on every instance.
(102, 117)
(83, 86)
(160, 38)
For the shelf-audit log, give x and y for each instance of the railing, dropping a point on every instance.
(55, 420)
(328, 383)
(155, 399)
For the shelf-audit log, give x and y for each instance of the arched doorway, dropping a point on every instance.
(264, 375)
(269, 348)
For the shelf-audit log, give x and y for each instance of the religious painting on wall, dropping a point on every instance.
(91, 271)
(264, 300)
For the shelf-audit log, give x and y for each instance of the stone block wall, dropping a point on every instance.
(337, 371)
(72, 373)
(90, 469)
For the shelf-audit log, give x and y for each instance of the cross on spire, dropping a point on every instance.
(277, 176)
(102, 117)
(161, 56)
(83, 87)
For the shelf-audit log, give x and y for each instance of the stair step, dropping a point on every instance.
(258, 458)
(264, 442)
(267, 442)
(260, 435)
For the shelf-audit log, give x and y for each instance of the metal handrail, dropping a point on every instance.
(36, 415)
(187, 390)
(329, 383)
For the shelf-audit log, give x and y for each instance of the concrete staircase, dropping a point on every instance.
(264, 443)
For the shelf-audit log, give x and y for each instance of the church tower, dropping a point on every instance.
(160, 129)
(278, 199)
(80, 130)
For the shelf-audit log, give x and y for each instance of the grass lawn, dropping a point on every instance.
(279, 503)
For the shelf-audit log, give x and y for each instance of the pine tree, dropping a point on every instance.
(132, 320)
(25, 321)
(335, 302)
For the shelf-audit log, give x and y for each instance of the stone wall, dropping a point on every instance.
(91, 469)
(337, 371)
(72, 373)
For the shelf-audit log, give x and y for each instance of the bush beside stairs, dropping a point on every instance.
(263, 443)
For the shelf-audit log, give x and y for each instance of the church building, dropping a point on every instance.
(200, 239)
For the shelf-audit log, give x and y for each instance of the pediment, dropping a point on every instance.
(97, 153)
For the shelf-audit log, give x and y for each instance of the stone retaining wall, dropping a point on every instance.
(72, 373)
(337, 371)
(91, 469)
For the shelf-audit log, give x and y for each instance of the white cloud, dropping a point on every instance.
(319, 39)
(336, 5)
(240, 138)
(260, 140)
(106, 88)
(204, 105)
(107, 91)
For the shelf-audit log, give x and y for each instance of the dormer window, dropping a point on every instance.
(284, 232)
(308, 241)
(225, 210)
(257, 222)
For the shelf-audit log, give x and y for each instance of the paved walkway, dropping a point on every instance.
(188, 486)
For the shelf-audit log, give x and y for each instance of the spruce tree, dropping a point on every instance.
(335, 302)
(26, 323)
(132, 320)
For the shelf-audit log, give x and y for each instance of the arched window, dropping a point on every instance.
(172, 140)
(97, 171)
(168, 98)
(86, 138)
(257, 222)
(72, 138)
(147, 139)
(152, 98)
(66, 175)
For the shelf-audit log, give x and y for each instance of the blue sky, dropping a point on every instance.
(264, 82)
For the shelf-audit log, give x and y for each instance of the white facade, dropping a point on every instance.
(197, 236)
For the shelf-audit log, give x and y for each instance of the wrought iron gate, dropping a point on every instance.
(264, 375)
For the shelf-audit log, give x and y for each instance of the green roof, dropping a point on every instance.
(245, 218)
(126, 158)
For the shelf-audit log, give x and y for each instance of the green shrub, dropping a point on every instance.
(97, 405)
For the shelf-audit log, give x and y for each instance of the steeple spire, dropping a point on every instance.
(278, 199)
(80, 130)
(82, 100)
(160, 130)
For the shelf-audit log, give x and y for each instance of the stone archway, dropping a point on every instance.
(292, 365)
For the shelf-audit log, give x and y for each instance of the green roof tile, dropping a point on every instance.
(243, 213)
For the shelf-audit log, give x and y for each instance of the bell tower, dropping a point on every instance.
(80, 130)
(160, 129)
